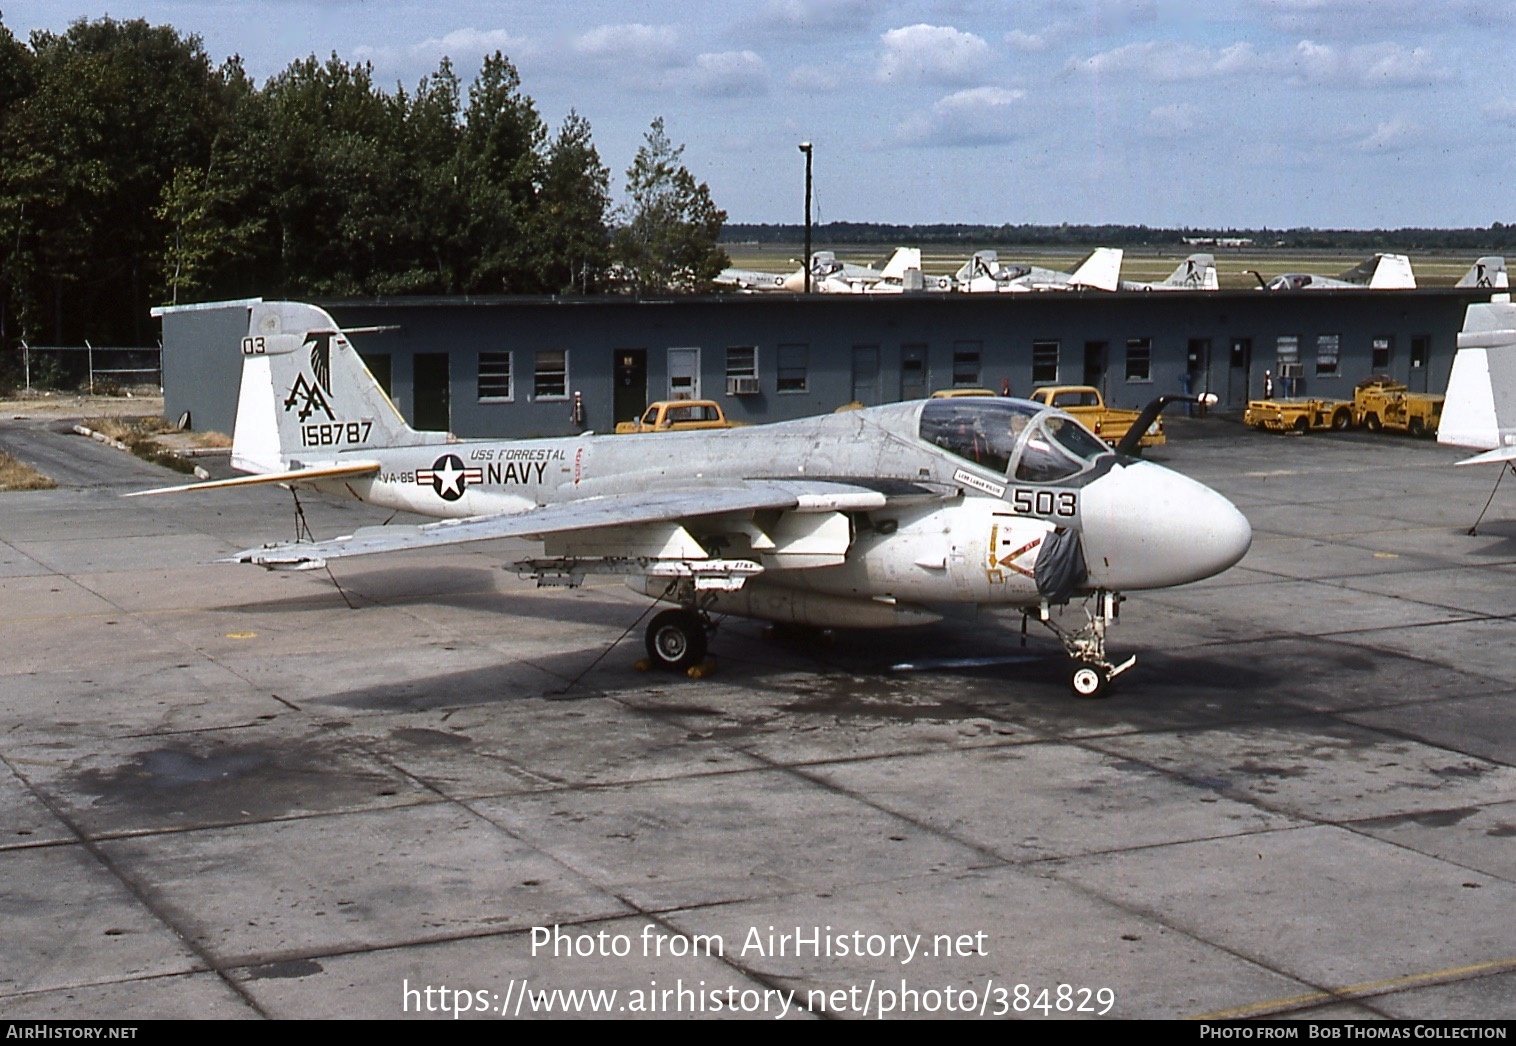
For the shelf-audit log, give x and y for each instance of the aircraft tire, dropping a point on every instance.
(1088, 681)
(676, 640)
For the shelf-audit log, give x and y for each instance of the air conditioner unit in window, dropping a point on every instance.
(742, 386)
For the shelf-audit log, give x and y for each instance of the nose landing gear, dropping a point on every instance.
(1091, 674)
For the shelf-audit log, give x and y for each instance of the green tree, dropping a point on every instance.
(669, 240)
(500, 168)
(569, 228)
(94, 126)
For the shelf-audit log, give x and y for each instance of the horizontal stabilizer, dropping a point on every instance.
(1489, 456)
(355, 468)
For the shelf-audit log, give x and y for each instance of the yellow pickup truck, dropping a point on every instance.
(1109, 423)
(677, 415)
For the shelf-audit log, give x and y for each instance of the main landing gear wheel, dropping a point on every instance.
(1089, 681)
(676, 640)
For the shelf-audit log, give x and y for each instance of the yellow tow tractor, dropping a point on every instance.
(1299, 415)
(1380, 402)
(1109, 423)
(678, 415)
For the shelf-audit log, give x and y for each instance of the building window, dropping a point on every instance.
(1288, 348)
(495, 376)
(1326, 355)
(1044, 362)
(966, 364)
(550, 375)
(1139, 359)
(1384, 349)
(742, 361)
(794, 363)
(742, 370)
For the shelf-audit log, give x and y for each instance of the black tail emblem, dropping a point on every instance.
(312, 396)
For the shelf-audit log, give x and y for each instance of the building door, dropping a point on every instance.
(1421, 362)
(378, 364)
(630, 398)
(1197, 367)
(429, 392)
(1096, 354)
(684, 374)
(1239, 372)
(866, 375)
(913, 376)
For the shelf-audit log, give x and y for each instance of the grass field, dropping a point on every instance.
(1144, 264)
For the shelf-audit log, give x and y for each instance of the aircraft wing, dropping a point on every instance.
(600, 515)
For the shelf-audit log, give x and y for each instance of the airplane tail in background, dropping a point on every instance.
(904, 258)
(1480, 409)
(306, 394)
(1101, 270)
(1195, 273)
(1488, 271)
(1383, 272)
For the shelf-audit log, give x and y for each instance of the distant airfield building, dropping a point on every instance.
(516, 367)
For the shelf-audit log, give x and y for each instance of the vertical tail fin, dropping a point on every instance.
(1195, 273)
(904, 258)
(1101, 270)
(1488, 271)
(1480, 409)
(306, 394)
(1383, 272)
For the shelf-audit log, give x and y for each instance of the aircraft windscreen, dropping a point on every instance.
(1044, 445)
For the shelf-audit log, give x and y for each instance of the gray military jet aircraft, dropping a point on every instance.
(1195, 273)
(1382, 272)
(983, 273)
(860, 519)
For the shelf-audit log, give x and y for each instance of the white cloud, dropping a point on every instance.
(730, 73)
(812, 16)
(1365, 65)
(1163, 60)
(811, 79)
(1391, 135)
(977, 116)
(465, 47)
(932, 54)
(1502, 110)
(646, 46)
(1180, 120)
(1021, 40)
(1349, 19)
(1308, 63)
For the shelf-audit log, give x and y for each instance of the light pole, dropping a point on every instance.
(805, 147)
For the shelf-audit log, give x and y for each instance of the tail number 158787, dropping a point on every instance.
(335, 434)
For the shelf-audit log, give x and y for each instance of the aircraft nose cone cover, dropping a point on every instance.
(1147, 527)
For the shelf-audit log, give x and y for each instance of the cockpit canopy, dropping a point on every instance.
(1021, 440)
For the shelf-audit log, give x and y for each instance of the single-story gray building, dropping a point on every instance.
(516, 366)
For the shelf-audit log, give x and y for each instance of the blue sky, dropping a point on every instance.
(1340, 113)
